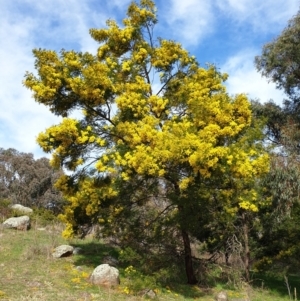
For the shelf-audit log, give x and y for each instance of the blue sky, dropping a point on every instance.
(227, 33)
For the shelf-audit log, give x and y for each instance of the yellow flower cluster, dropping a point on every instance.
(88, 199)
(168, 54)
(59, 140)
(248, 206)
(130, 270)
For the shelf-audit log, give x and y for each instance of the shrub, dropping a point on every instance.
(43, 216)
(5, 210)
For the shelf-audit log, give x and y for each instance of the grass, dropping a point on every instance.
(28, 272)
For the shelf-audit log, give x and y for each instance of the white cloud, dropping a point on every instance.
(267, 15)
(189, 20)
(120, 4)
(243, 78)
(32, 24)
(20, 117)
(65, 23)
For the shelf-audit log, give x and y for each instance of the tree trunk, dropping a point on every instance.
(188, 258)
(246, 247)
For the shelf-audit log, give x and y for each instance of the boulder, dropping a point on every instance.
(22, 209)
(222, 296)
(105, 275)
(63, 251)
(19, 223)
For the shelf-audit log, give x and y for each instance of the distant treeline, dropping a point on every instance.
(27, 181)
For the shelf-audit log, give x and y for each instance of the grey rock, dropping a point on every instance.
(63, 251)
(22, 209)
(19, 223)
(77, 250)
(78, 268)
(147, 293)
(222, 296)
(105, 275)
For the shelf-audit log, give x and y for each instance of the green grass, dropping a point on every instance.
(277, 283)
(28, 272)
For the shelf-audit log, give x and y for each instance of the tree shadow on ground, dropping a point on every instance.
(94, 253)
(276, 282)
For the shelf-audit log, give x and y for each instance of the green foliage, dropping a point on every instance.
(225, 276)
(280, 59)
(274, 118)
(128, 256)
(279, 246)
(136, 281)
(5, 203)
(43, 216)
(16, 213)
(275, 281)
(163, 268)
(5, 210)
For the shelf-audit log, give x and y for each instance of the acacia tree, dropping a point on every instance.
(150, 113)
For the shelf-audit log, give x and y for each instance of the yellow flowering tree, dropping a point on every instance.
(150, 113)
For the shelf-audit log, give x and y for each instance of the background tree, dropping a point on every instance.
(277, 242)
(280, 63)
(151, 115)
(27, 181)
(280, 59)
